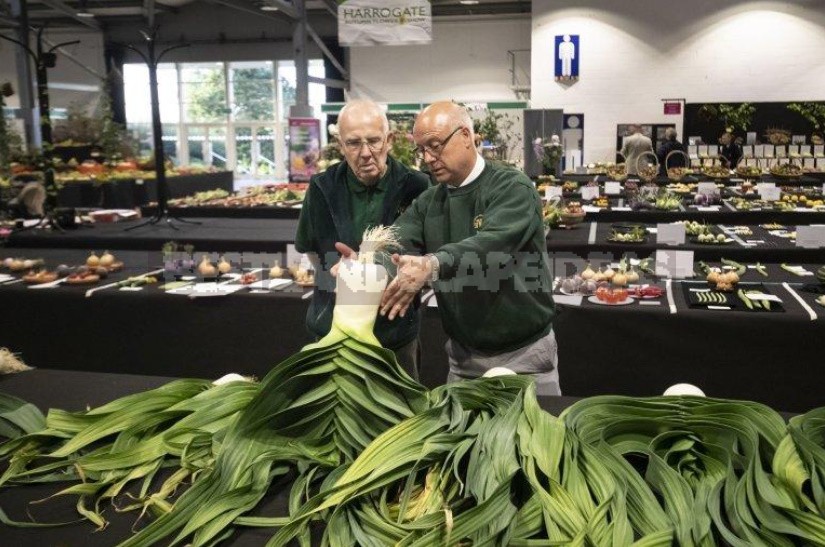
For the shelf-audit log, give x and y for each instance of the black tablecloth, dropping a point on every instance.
(70, 390)
(215, 234)
(228, 212)
(637, 349)
(576, 242)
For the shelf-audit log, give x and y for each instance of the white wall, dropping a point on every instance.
(636, 52)
(69, 82)
(467, 61)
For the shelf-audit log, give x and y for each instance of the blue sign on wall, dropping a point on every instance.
(567, 57)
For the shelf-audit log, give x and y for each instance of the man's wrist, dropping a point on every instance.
(435, 266)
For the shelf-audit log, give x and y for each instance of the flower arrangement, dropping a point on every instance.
(549, 153)
(331, 153)
(403, 145)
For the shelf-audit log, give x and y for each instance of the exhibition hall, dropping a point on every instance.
(407, 272)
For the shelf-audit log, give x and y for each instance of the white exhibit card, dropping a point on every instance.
(590, 192)
(759, 150)
(703, 150)
(793, 149)
(810, 237)
(612, 188)
(747, 151)
(770, 193)
(809, 163)
(674, 264)
(693, 152)
(670, 234)
(707, 188)
(781, 152)
(819, 150)
(768, 151)
(551, 192)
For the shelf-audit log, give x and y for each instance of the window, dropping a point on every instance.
(252, 88)
(228, 115)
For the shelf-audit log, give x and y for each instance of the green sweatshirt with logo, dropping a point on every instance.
(494, 287)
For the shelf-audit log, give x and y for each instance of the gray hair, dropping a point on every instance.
(364, 106)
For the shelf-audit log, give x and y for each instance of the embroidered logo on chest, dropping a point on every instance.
(478, 222)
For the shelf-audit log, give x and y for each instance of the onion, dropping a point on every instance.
(107, 259)
(93, 261)
(588, 273)
(276, 271)
(632, 276)
(619, 279)
(205, 268)
(224, 266)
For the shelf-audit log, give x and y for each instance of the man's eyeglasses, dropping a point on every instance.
(435, 150)
(375, 144)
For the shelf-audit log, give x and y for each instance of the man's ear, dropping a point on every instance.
(390, 138)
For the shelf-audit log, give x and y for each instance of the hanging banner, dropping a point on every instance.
(567, 57)
(386, 22)
(673, 108)
(304, 148)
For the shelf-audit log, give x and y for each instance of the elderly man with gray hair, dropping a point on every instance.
(369, 189)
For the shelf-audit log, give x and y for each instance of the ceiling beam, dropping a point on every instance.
(327, 53)
(331, 6)
(149, 12)
(340, 84)
(75, 60)
(244, 7)
(8, 21)
(67, 10)
(285, 7)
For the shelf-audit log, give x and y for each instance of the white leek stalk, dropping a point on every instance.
(359, 287)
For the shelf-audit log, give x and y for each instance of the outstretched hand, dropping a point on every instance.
(413, 273)
(347, 253)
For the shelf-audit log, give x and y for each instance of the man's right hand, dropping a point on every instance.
(346, 254)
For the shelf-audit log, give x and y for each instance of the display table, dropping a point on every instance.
(131, 193)
(215, 234)
(591, 238)
(639, 349)
(228, 212)
(70, 390)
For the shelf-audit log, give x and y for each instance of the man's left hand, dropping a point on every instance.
(413, 274)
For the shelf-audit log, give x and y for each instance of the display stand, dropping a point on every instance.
(152, 60)
(44, 60)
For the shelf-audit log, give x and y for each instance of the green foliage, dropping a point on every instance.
(403, 146)
(501, 131)
(253, 94)
(813, 112)
(206, 96)
(733, 117)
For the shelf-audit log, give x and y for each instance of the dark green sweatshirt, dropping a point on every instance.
(327, 217)
(494, 288)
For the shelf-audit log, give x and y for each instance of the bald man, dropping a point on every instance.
(369, 189)
(478, 238)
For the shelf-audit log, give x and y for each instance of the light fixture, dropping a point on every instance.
(468, 2)
(268, 7)
(83, 12)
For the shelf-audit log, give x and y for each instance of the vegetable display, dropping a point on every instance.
(380, 460)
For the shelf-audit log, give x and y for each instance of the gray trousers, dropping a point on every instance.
(539, 360)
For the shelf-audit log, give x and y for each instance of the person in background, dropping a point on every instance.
(634, 146)
(369, 189)
(477, 237)
(731, 152)
(670, 145)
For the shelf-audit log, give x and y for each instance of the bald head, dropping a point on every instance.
(364, 135)
(444, 130)
(361, 111)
